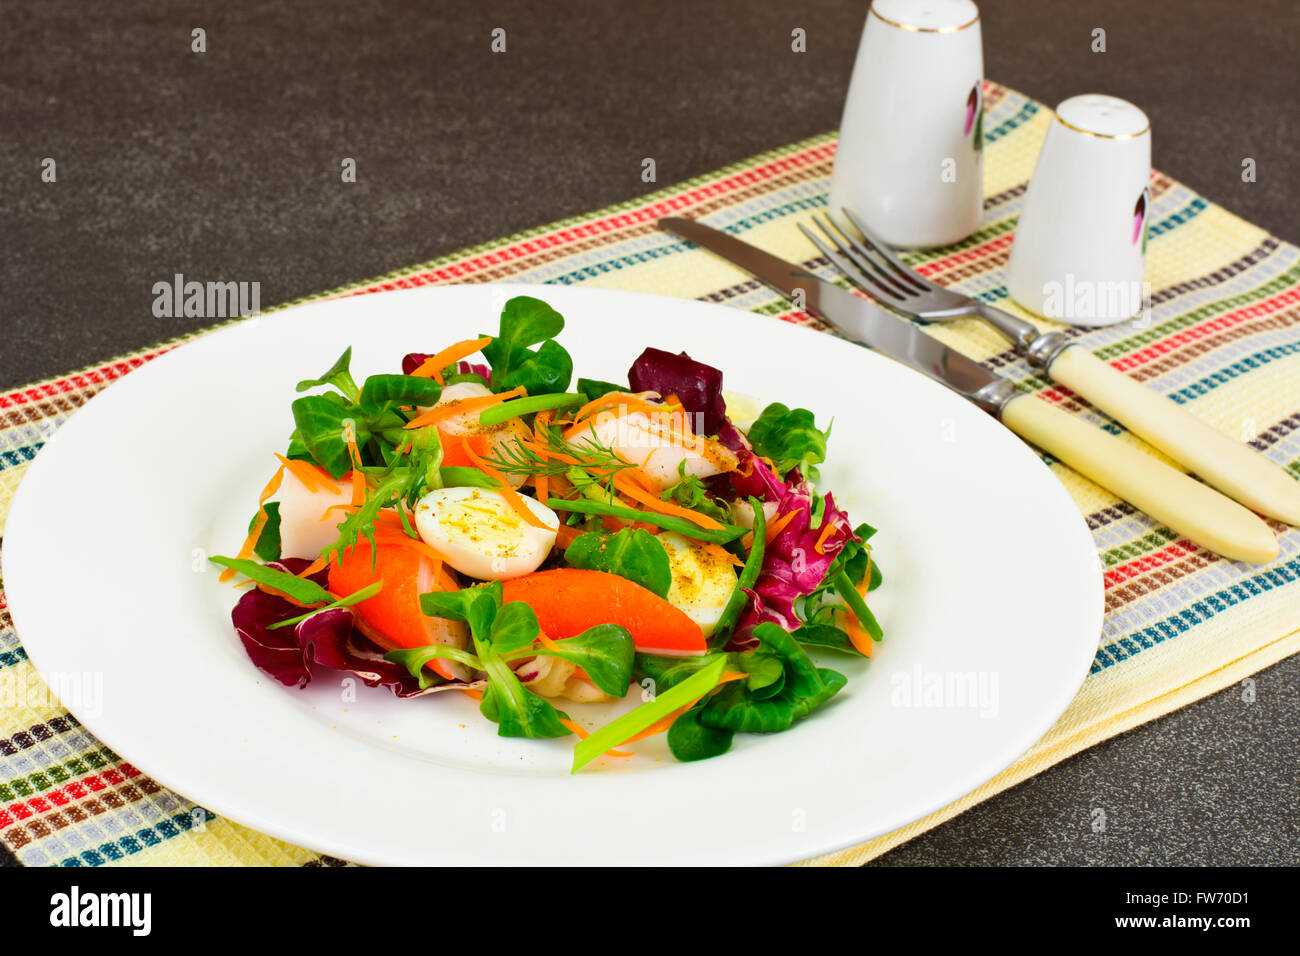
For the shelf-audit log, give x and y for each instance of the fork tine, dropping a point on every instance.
(849, 270)
(863, 273)
(882, 250)
(884, 274)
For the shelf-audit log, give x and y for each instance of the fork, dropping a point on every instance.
(1231, 466)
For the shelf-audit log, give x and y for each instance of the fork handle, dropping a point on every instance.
(1178, 501)
(1233, 467)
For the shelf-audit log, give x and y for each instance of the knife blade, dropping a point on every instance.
(1171, 497)
(860, 320)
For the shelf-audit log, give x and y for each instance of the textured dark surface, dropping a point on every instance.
(225, 165)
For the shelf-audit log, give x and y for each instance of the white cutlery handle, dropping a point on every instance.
(1179, 502)
(1233, 467)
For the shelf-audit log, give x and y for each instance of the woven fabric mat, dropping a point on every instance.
(1180, 623)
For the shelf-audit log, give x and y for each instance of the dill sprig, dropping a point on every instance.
(559, 456)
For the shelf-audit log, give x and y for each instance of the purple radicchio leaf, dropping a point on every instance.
(413, 360)
(792, 567)
(327, 639)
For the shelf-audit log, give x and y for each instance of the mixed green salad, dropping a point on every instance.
(482, 523)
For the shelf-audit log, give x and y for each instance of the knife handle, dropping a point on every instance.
(1233, 467)
(1181, 503)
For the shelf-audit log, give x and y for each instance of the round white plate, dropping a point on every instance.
(991, 606)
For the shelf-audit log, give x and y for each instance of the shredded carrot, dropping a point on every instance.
(721, 553)
(566, 536)
(540, 423)
(315, 478)
(451, 447)
(312, 568)
(821, 538)
(859, 638)
(357, 477)
(472, 692)
(272, 486)
(777, 525)
(583, 734)
(624, 400)
(512, 497)
(628, 487)
(432, 366)
(246, 549)
(461, 407)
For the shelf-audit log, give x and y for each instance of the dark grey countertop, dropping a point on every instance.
(225, 165)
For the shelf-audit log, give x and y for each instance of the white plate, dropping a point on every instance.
(990, 577)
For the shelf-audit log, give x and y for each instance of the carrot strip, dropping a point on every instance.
(859, 638)
(823, 536)
(511, 496)
(719, 552)
(462, 406)
(611, 399)
(653, 503)
(779, 524)
(472, 693)
(312, 568)
(246, 549)
(451, 454)
(272, 486)
(314, 477)
(432, 366)
(583, 734)
(684, 434)
(541, 422)
(357, 477)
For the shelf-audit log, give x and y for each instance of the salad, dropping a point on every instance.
(495, 529)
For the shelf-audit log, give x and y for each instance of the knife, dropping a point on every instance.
(1176, 500)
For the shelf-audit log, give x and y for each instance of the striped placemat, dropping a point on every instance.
(1180, 623)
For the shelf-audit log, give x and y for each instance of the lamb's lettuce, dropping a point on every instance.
(631, 553)
(790, 438)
